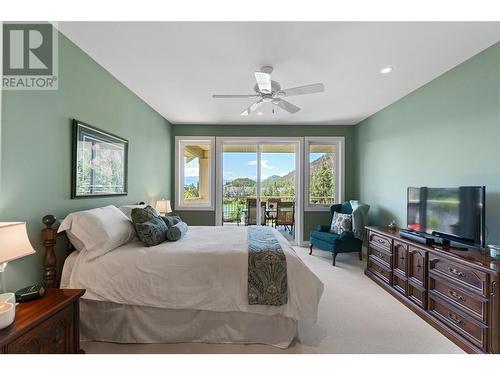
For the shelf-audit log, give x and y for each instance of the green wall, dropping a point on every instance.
(445, 133)
(311, 219)
(35, 150)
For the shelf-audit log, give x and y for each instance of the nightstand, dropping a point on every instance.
(49, 325)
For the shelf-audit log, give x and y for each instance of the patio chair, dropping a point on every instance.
(251, 214)
(285, 215)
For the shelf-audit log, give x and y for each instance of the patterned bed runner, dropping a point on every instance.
(267, 279)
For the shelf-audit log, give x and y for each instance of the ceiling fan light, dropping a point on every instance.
(387, 70)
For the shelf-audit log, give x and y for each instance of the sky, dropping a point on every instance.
(241, 164)
(244, 164)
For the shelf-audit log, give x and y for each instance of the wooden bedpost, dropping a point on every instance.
(49, 236)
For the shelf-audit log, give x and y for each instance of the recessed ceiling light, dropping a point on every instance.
(387, 70)
(260, 113)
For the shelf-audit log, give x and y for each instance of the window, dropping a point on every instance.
(194, 160)
(324, 172)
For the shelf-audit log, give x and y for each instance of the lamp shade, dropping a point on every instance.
(14, 242)
(163, 206)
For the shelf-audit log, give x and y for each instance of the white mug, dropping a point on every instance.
(8, 297)
(7, 314)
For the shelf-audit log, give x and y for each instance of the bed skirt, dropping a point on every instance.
(112, 322)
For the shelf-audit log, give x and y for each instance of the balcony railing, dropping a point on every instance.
(234, 207)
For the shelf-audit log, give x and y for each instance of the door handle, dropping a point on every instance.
(455, 319)
(455, 295)
(456, 272)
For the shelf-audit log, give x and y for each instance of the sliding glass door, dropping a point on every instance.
(258, 183)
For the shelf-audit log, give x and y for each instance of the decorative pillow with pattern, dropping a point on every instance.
(176, 231)
(341, 223)
(141, 215)
(152, 232)
(171, 220)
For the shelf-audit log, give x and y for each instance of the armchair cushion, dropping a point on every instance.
(325, 236)
(323, 228)
(347, 234)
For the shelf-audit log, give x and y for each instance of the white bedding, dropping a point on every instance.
(205, 270)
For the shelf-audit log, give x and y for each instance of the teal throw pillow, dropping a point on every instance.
(152, 232)
(177, 231)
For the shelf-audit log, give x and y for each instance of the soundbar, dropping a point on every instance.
(420, 238)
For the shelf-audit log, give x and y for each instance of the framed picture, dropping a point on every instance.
(99, 166)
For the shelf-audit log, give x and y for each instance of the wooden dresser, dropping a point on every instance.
(456, 291)
(47, 325)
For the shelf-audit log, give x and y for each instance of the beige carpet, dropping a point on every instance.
(355, 316)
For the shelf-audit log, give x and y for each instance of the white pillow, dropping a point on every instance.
(127, 210)
(99, 230)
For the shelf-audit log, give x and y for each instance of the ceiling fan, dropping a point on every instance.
(268, 91)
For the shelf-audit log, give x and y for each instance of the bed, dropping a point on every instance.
(191, 290)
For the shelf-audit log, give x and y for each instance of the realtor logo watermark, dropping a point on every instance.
(29, 56)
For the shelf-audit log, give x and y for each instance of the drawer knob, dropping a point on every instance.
(380, 241)
(455, 319)
(455, 295)
(456, 272)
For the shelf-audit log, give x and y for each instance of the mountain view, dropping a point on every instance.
(237, 189)
(284, 186)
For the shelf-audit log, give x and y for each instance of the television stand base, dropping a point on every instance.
(453, 246)
(417, 237)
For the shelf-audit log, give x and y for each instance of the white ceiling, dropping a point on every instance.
(175, 67)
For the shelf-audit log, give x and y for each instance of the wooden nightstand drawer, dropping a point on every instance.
(380, 241)
(474, 304)
(54, 335)
(468, 277)
(470, 328)
(47, 325)
(382, 272)
(381, 256)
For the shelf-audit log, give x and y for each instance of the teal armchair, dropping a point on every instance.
(346, 242)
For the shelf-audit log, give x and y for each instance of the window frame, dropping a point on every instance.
(179, 203)
(339, 171)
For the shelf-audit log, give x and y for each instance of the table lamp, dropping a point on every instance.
(163, 206)
(14, 244)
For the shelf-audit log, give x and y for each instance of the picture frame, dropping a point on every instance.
(99, 165)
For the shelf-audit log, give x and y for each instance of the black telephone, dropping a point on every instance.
(30, 293)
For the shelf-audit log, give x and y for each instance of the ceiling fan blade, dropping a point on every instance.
(303, 90)
(236, 96)
(252, 108)
(263, 81)
(287, 106)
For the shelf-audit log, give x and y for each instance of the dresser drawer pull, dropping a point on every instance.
(456, 272)
(454, 319)
(455, 295)
(380, 241)
(402, 258)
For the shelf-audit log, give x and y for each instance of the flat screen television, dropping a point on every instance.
(453, 213)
